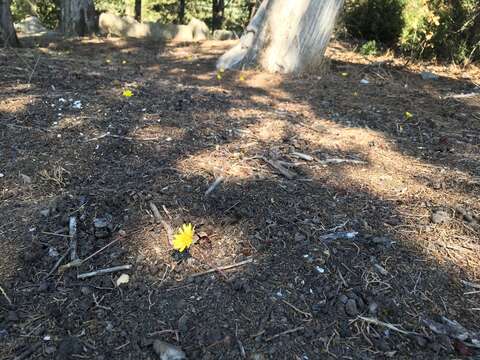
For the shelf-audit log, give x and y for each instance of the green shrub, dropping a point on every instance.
(369, 48)
(47, 11)
(379, 20)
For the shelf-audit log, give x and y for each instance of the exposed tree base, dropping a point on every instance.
(78, 17)
(285, 36)
(8, 36)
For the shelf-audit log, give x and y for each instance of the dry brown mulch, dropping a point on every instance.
(406, 193)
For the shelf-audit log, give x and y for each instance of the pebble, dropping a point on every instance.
(351, 307)
(167, 351)
(427, 75)
(440, 217)
(12, 316)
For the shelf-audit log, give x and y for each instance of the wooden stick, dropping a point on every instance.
(100, 250)
(5, 295)
(214, 185)
(468, 283)
(387, 325)
(282, 170)
(220, 268)
(104, 271)
(72, 231)
(285, 333)
(159, 219)
(57, 264)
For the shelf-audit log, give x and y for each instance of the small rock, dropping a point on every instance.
(123, 279)
(299, 237)
(440, 217)
(12, 316)
(364, 82)
(26, 179)
(183, 323)
(427, 75)
(69, 346)
(167, 351)
(351, 307)
(421, 341)
(45, 212)
(50, 350)
(373, 308)
(103, 227)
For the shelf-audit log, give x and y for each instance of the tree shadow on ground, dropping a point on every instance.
(301, 295)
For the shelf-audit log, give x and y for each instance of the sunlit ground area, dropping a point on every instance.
(345, 220)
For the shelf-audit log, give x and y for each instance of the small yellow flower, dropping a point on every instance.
(408, 115)
(344, 74)
(108, 61)
(222, 70)
(241, 77)
(355, 93)
(124, 62)
(127, 93)
(219, 76)
(184, 237)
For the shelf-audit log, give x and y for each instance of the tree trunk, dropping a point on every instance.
(218, 9)
(138, 10)
(285, 36)
(79, 17)
(7, 31)
(181, 11)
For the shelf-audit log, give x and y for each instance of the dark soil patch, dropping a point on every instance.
(72, 146)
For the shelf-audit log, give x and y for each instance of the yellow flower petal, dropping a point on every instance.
(408, 115)
(184, 237)
(127, 93)
(344, 74)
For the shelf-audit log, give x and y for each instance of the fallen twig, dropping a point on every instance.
(387, 325)
(212, 187)
(121, 137)
(72, 232)
(303, 156)
(340, 161)
(468, 283)
(5, 295)
(57, 264)
(159, 219)
(279, 167)
(285, 333)
(220, 268)
(104, 271)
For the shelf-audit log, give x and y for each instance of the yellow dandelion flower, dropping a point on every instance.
(408, 115)
(241, 78)
(127, 93)
(184, 237)
(219, 76)
(344, 74)
(222, 70)
(108, 61)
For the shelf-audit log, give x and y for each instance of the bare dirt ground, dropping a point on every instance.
(401, 200)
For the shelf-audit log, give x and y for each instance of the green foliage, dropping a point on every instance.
(379, 20)
(443, 29)
(48, 11)
(369, 48)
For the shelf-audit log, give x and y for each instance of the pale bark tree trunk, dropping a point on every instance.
(78, 17)
(138, 10)
(285, 36)
(7, 31)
